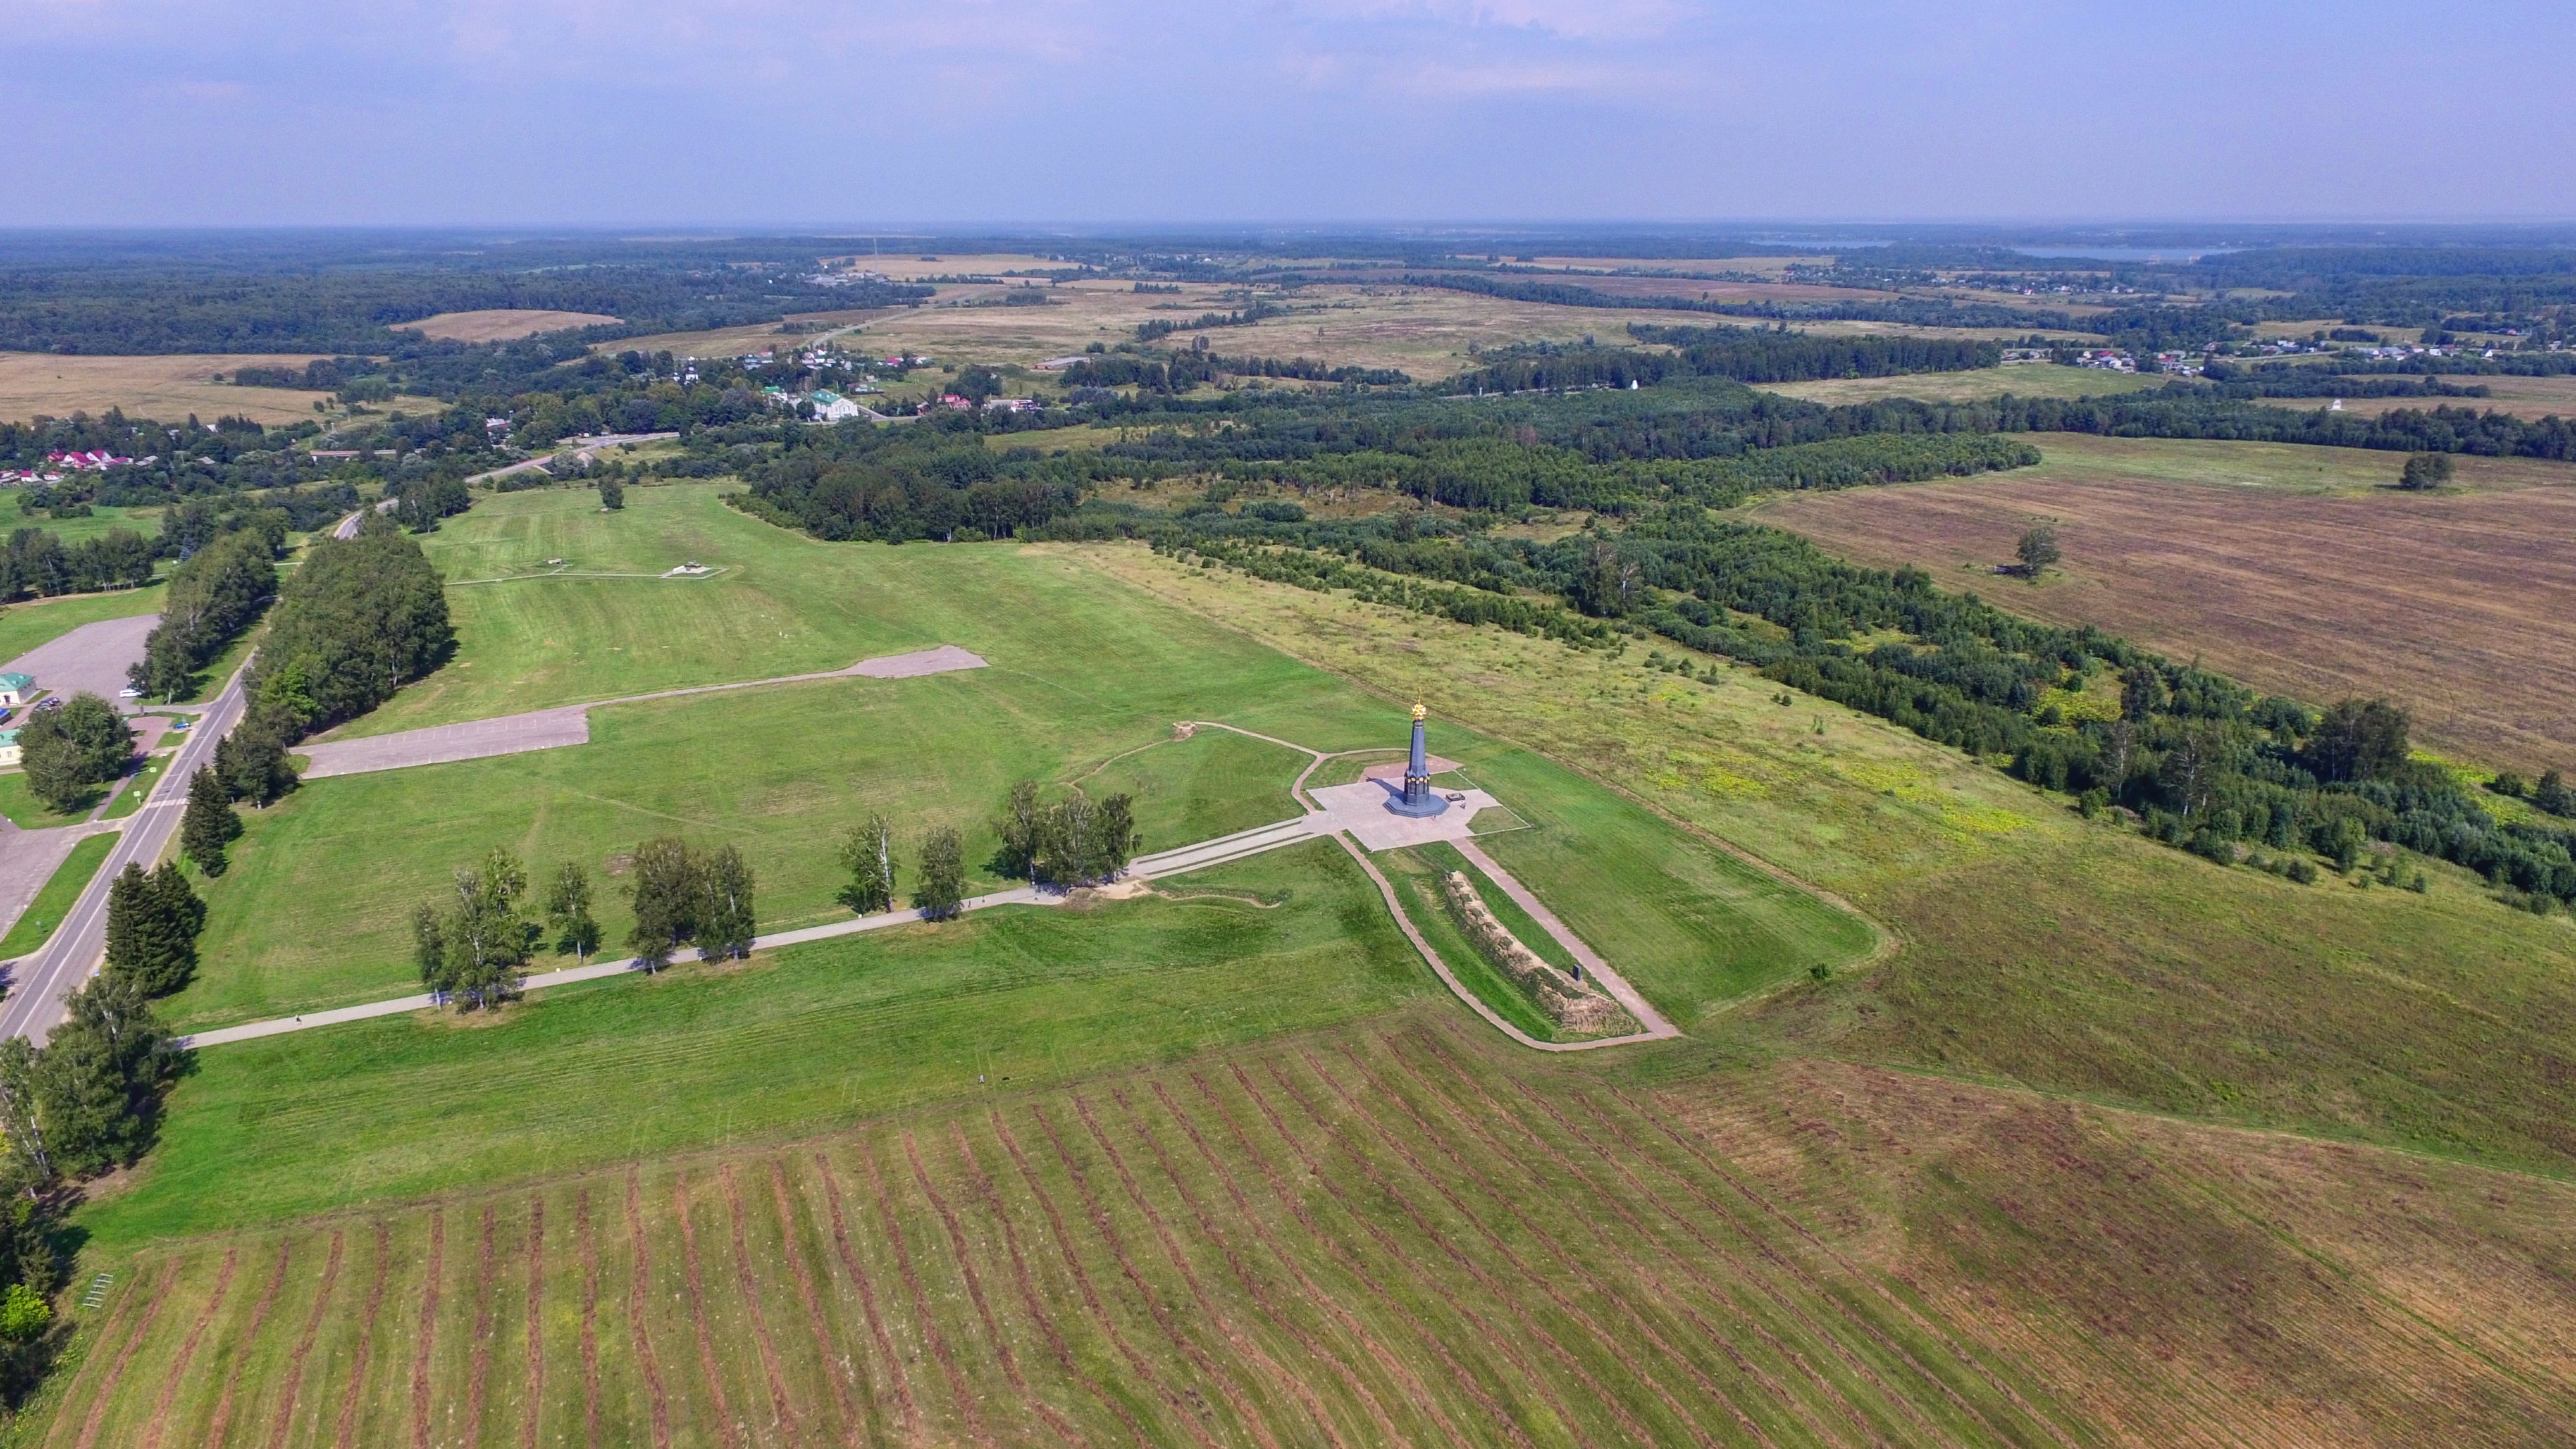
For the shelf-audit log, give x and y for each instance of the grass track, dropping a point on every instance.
(1395, 1233)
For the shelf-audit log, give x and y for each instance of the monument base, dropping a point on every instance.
(1420, 804)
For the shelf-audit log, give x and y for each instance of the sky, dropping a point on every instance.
(743, 112)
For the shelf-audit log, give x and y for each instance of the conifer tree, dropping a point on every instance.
(210, 823)
(152, 925)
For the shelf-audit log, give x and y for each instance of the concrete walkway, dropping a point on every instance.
(569, 724)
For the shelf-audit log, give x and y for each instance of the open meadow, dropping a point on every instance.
(2296, 569)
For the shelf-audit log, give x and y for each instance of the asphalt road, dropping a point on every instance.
(92, 657)
(39, 983)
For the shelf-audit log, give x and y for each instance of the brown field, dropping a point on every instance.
(46, 384)
(503, 324)
(2295, 569)
(1400, 1235)
(2021, 379)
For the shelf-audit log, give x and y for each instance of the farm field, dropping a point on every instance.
(1428, 332)
(1087, 681)
(2021, 380)
(30, 622)
(2454, 604)
(45, 384)
(1387, 1232)
(502, 324)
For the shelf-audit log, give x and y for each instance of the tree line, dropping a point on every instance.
(359, 618)
(214, 594)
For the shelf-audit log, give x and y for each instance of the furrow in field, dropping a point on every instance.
(1637, 1256)
(1243, 1344)
(1030, 1302)
(1414, 1390)
(1521, 1267)
(938, 1341)
(220, 1427)
(536, 1320)
(588, 1245)
(479, 1376)
(1263, 1301)
(294, 1381)
(781, 1407)
(1194, 1408)
(836, 1364)
(639, 1290)
(1530, 1326)
(965, 1259)
(1870, 1329)
(160, 1420)
(153, 1291)
(345, 1434)
(1155, 1307)
(1718, 1292)
(867, 1293)
(428, 1330)
(726, 1428)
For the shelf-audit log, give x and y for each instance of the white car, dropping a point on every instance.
(129, 694)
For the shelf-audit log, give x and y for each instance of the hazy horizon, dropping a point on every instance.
(653, 115)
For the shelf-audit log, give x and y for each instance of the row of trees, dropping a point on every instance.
(1067, 842)
(214, 595)
(473, 944)
(39, 564)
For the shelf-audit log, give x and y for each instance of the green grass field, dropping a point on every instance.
(30, 622)
(145, 521)
(35, 926)
(25, 811)
(1086, 682)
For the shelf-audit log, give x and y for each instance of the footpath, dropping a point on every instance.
(1343, 817)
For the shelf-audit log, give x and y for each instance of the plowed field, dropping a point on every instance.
(2456, 604)
(1397, 1236)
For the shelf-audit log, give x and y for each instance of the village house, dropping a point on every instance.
(15, 688)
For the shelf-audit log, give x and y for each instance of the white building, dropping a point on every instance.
(831, 407)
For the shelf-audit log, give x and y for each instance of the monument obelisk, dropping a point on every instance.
(1418, 799)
